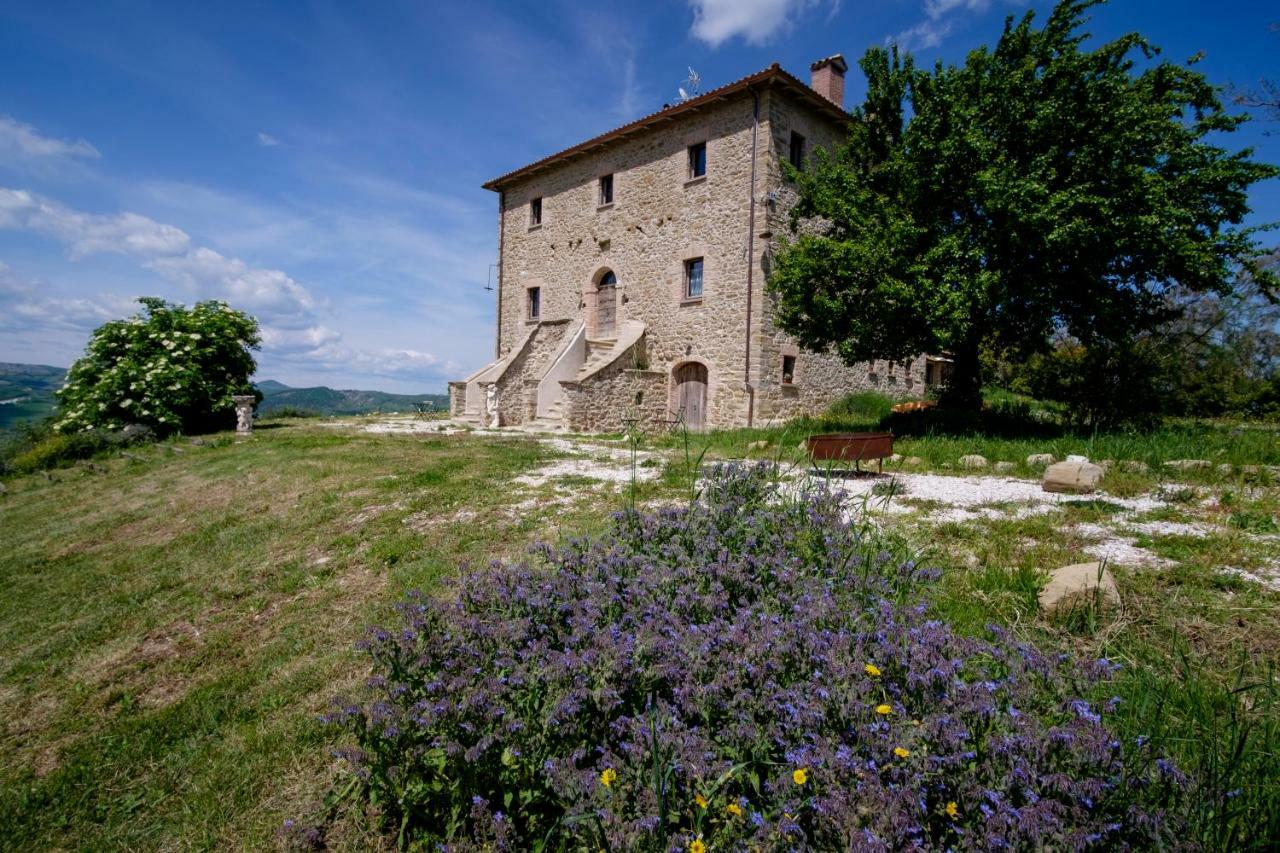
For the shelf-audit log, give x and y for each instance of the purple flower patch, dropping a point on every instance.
(750, 672)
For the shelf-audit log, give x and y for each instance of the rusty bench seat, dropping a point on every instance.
(850, 447)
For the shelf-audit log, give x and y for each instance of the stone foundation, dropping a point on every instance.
(616, 398)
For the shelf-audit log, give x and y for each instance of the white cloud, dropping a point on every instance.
(388, 363)
(268, 292)
(267, 140)
(756, 21)
(22, 142)
(166, 250)
(87, 233)
(935, 9)
(940, 17)
(288, 312)
(27, 305)
(927, 33)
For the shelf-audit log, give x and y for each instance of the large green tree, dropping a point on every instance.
(1040, 188)
(170, 368)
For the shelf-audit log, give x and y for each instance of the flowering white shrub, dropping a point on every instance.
(169, 367)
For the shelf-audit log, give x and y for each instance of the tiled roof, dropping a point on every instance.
(773, 75)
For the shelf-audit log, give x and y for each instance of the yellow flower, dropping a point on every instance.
(883, 709)
(696, 846)
(700, 800)
(900, 752)
(952, 810)
(608, 777)
(872, 670)
(800, 776)
(734, 809)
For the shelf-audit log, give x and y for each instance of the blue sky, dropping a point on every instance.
(319, 164)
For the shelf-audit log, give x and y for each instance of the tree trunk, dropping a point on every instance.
(963, 390)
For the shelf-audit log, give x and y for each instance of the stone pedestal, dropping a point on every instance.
(244, 413)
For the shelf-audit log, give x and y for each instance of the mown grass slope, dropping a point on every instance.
(170, 628)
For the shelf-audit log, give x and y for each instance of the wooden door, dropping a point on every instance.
(607, 306)
(691, 394)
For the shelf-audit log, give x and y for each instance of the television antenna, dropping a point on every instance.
(694, 84)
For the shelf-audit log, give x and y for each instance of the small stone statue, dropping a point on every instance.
(492, 418)
(244, 413)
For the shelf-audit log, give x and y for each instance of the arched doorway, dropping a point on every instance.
(691, 393)
(607, 305)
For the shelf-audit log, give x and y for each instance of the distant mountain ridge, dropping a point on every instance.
(328, 401)
(27, 395)
(26, 392)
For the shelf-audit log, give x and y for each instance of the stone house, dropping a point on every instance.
(632, 269)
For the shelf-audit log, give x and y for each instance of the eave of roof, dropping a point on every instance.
(773, 75)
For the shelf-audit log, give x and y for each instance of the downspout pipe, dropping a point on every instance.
(751, 257)
(502, 228)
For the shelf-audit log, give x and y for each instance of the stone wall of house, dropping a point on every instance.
(457, 399)
(819, 379)
(659, 218)
(616, 397)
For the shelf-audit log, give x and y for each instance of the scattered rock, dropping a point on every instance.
(912, 461)
(135, 432)
(973, 460)
(1135, 466)
(946, 466)
(1005, 467)
(758, 445)
(1076, 458)
(1035, 460)
(1076, 478)
(1225, 469)
(896, 457)
(1188, 464)
(1106, 464)
(803, 446)
(1070, 584)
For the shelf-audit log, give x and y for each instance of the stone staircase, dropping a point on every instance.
(600, 351)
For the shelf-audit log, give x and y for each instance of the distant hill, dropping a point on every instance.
(327, 401)
(26, 395)
(270, 386)
(26, 392)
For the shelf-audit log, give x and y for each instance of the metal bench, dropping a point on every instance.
(850, 447)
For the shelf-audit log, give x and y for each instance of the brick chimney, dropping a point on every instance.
(827, 78)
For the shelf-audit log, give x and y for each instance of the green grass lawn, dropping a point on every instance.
(170, 629)
(173, 620)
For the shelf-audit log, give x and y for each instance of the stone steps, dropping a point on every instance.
(599, 353)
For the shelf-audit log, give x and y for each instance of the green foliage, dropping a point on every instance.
(1219, 356)
(865, 404)
(289, 412)
(37, 447)
(56, 451)
(1038, 188)
(170, 368)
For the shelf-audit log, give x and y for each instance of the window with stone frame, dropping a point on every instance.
(533, 301)
(796, 155)
(697, 160)
(606, 190)
(788, 369)
(535, 212)
(693, 278)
